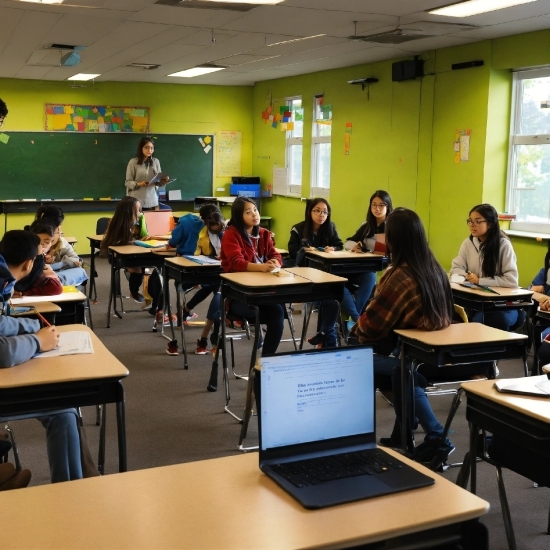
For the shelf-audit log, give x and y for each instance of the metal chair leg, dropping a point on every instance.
(505, 511)
(16, 459)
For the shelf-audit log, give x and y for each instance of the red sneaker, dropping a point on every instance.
(202, 347)
(172, 348)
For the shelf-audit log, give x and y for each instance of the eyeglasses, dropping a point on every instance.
(469, 221)
(320, 212)
(378, 206)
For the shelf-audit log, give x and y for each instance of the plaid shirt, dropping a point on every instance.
(397, 303)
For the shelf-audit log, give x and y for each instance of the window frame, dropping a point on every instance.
(315, 190)
(294, 190)
(516, 139)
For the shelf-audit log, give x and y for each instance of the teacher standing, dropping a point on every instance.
(141, 170)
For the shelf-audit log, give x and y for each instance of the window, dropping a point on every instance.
(529, 157)
(320, 143)
(294, 147)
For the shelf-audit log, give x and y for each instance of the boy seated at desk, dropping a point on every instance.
(20, 340)
(41, 280)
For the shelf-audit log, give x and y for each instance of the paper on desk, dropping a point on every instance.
(456, 278)
(70, 343)
(205, 260)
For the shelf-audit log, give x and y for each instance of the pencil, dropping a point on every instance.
(42, 318)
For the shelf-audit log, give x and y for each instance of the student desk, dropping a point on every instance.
(48, 309)
(256, 289)
(345, 263)
(131, 255)
(71, 304)
(482, 300)
(457, 344)
(68, 381)
(188, 274)
(95, 243)
(203, 505)
(521, 419)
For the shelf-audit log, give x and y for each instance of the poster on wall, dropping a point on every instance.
(462, 146)
(228, 154)
(96, 118)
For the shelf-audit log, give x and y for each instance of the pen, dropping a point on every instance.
(42, 318)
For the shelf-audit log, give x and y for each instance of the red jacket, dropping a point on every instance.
(237, 253)
(45, 286)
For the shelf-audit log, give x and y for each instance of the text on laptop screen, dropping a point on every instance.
(316, 396)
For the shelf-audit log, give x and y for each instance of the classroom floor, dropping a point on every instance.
(171, 418)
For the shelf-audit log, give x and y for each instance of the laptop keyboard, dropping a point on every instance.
(319, 470)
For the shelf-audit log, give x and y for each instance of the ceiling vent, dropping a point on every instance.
(144, 66)
(207, 5)
(396, 36)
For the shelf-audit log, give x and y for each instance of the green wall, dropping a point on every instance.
(402, 138)
(402, 141)
(183, 109)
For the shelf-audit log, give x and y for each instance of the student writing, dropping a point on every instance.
(248, 247)
(20, 340)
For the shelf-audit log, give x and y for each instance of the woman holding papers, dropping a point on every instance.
(141, 170)
(366, 239)
(486, 258)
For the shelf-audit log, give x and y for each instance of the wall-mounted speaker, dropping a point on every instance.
(407, 70)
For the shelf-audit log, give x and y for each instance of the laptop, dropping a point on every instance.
(317, 429)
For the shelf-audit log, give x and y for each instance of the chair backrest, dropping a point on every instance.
(101, 226)
(159, 222)
(460, 313)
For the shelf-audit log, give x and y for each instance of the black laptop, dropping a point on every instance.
(317, 429)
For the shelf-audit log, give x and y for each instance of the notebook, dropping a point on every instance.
(319, 404)
(536, 386)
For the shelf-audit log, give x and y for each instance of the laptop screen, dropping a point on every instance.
(315, 396)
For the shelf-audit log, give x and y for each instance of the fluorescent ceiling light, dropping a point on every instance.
(83, 76)
(474, 7)
(296, 40)
(197, 71)
(246, 1)
(44, 1)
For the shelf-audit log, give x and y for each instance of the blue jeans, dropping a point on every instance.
(63, 445)
(496, 319)
(74, 276)
(326, 320)
(365, 283)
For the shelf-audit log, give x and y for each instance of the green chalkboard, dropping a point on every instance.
(47, 165)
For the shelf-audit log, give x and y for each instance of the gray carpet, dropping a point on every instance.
(171, 418)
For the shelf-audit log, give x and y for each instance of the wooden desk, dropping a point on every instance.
(69, 381)
(95, 242)
(256, 289)
(481, 300)
(131, 255)
(188, 274)
(71, 240)
(48, 309)
(458, 344)
(71, 303)
(202, 505)
(345, 263)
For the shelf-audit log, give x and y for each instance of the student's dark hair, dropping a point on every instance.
(490, 247)
(43, 228)
(215, 218)
(237, 210)
(547, 263)
(207, 209)
(324, 230)
(3, 108)
(18, 246)
(120, 229)
(408, 245)
(370, 227)
(48, 213)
